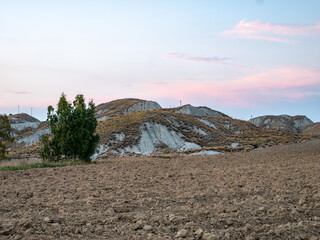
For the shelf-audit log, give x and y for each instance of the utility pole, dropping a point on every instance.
(18, 109)
(180, 103)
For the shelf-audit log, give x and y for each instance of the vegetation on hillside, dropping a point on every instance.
(73, 129)
(45, 164)
(5, 136)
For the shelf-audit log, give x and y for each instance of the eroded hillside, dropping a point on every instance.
(139, 127)
(282, 122)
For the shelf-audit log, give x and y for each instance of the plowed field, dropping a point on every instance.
(273, 193)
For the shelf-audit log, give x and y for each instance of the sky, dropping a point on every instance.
(244, 58)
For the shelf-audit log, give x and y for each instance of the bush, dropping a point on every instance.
(73, 129)
(5, 136)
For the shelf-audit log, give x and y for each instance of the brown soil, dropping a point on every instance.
(272, 193)
(313, 129)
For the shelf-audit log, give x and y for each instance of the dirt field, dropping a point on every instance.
(269, 194)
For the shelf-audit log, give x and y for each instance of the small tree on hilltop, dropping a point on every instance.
(5, 136)
(73, 128)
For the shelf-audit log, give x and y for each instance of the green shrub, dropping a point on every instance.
(5, 136)
(73, 129)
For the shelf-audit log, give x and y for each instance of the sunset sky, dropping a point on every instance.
(244, 58)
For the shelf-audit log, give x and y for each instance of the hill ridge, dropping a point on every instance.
(133, 126)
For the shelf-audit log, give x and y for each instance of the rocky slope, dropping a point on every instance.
(150, 132)
(22, 121)
(27, 131)
(282, 122)
(198, 111)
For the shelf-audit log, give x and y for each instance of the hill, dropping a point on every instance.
(282, 122)
(124, 106)
(21, 118)
(145, 133)
(198, 111)
(138, 127)
(21, 121)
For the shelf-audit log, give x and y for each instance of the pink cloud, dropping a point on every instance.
(270, 31)
(283, 84)
(215, 59)
(18, 92)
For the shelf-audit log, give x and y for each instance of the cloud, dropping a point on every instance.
(18, 92)
(270, 31)
(277, 85)
(215, 59)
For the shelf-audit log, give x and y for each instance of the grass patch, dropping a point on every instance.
(26, 166)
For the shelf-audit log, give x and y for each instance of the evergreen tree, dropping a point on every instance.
(73, 128)
(5, 136)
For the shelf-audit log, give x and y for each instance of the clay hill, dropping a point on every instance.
(124, 106)
(21, 118)
(282, 122)
(198, 111)
(133, 127)
(27, 130)
(21, 121)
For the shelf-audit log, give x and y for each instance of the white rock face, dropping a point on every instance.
(206, 152)
(102, 111)
(143, 106)
(302, 122)
(34, 138)
(120, 137)
(210, 124)
(209, 112)
(234, 144)
(21, 126)
(268, 120)
(256, 121)
(101, 149)
(197, 111)
(102, 118)
(285, 122)
(199, 131)
(153, 133)
(286, 116)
